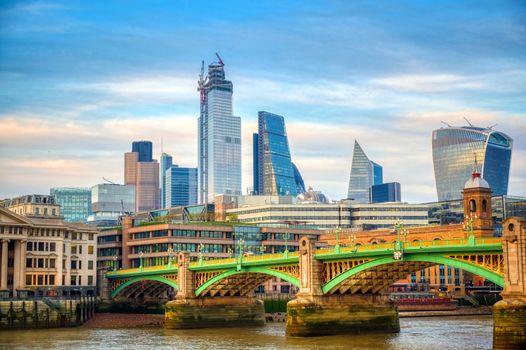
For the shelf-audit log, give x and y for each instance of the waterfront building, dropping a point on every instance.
(455, 149)
(287, 209)
(75, 202)
(387, 192)
(276, 174)
(144, 149)
(364, 174)
(219, 137)
(166, 163)
(109, 202)
(181, 186)
(41, 254)
(141, 171)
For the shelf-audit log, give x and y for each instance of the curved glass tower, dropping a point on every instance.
(455, 150)
(364, 174)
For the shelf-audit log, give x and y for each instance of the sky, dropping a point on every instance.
(81, 80)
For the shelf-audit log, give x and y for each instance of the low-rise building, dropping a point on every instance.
(41, 254)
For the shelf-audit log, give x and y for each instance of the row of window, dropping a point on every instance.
(40, 246)
(49, 280)
(42, 263)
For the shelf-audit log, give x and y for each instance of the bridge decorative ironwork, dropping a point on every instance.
(345, 269)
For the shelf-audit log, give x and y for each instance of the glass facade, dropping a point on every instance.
(166, 163)
(364, 174)
(276, 172)
(144, 149)
(219, 134)
(181, 186)
(300, 185)
(75, 203)
(109, 201)
(455, 150)
(388, 192)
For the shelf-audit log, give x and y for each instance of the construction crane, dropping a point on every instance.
(220, 61)
(108, 181)
(466, 119)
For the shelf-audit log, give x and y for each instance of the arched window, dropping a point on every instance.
(472, 206)
(484, 205)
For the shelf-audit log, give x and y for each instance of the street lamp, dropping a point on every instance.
(201, 248)
(115, 262)
(170, 252)
(262, 249)
(240, 245)
(337, 246)
(140, 259)
(286, 244)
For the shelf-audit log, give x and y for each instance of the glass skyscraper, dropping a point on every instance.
(75, 202)
(166, 163)
(455, 150)
(144, 148)
(300, 185)
(388, 192)
(181, 186)
(219, 135)
(275, 172)
(364, 174)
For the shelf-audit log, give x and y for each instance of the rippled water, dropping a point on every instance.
(416, 333)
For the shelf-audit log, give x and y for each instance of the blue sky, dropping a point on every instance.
(80, 80)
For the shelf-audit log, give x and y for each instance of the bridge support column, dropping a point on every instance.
(509, 314)
(314, 314)
(189, 311)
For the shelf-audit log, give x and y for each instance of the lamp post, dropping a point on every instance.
(240, 244)
(337, 246)
(352, 242)
(468, 226)
(170, 252)
(201, 248)
(115, 262)
(286, 245)
(399, 225)
(262, 249)
(140, 259)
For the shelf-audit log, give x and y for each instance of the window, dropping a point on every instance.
(40, 263)
(90, 280)
(90, 265)
(52, 280)
(52, 246)
(472, 206)
(28, 280)
(40, 246)
(73, 264)
(40, 280)
(29, 246)
(53, 211)
(29, 262)
(91, 236)
(37, 211)
(52, 263)
(45, 213)
(73, 249)
(484, 205)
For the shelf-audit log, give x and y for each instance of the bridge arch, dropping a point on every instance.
(426, 258)
(250, 270)
(133, 280)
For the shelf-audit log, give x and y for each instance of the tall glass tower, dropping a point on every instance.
(75, 202)
(275, 172)
(455, 150)
(364, 174)
(181, 186)
(144, 148)
(166, 163)
(219, 135)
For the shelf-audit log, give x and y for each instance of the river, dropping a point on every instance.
(416, 334)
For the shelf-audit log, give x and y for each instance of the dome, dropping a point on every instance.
(476, 181)
(312, 196)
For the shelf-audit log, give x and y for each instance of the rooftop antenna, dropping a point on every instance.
(466, 119)
(491, 127)
(476, 166)
(443, 122)
(220, 61)
(161, 145)
(108, 181)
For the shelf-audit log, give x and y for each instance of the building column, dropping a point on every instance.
(22, 265)
(16, 268)
(3, 272)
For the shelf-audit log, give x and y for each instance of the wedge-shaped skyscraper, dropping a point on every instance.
(455, 150)
(364, 174)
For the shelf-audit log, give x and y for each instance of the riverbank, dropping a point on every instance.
(113, 321)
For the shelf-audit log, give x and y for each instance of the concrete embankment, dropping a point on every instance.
(461, 311)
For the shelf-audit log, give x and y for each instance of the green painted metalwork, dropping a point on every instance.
(262, 270)
(438, 259)
(143, 278)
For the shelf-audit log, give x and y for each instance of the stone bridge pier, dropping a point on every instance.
(191, 311)
(313, 313)
(509, 314)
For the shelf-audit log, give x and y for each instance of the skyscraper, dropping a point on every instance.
(364, 174)
(219, 135)
(75, 202)
(275, 172)
(144, 175)
(388, 192)
(144, 148)
(300, 185)
(181, 186)
(455, 150)
(166, 163)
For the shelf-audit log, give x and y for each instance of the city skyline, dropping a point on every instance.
(74, 98)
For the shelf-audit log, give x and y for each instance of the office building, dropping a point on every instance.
(388, 192)
(166, 163)
(455, 151)
(41, 254)
(364, 174)
(144, 149)
(276, 174)
(75, 202)
(300, 185)
(109, 202)
(144, 175)
(219, 137)
(181, 186)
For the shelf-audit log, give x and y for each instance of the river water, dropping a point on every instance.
(416, 334)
